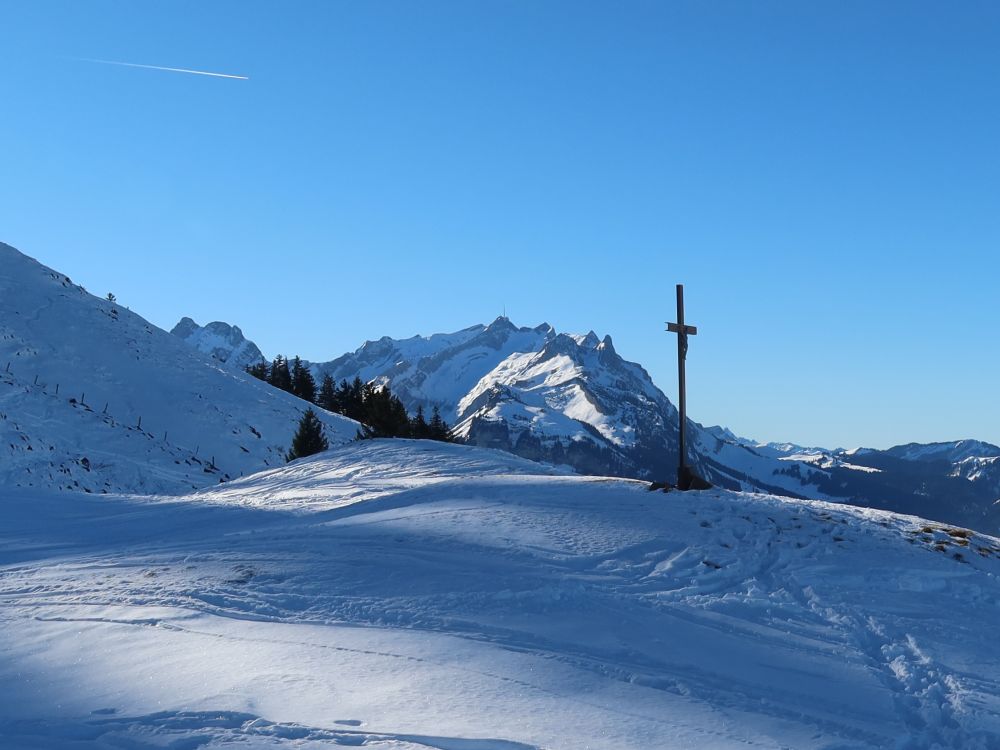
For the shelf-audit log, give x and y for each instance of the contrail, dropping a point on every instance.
(160, 67)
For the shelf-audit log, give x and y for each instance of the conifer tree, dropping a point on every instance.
(353, 400)
(384, 414)
(295, 371)
(419, 428)
(327, 398)
(303, 384)
(259, 370)
(309, 438)
(438, 429)
(279, 376)
(342, 396)
(400, 420)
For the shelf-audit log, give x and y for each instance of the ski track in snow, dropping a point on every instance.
(398, 594)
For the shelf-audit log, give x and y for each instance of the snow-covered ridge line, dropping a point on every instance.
(93, 397)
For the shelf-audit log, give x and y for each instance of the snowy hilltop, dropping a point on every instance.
(93, 397)
(406, 594)
(571, 399)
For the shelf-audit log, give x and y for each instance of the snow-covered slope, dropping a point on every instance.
(94, 397)
(222, 341)
(398, 594)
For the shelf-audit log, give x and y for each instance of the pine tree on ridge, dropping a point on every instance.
(309, 439)
(303, 384)
(327, 398)
(279, 376)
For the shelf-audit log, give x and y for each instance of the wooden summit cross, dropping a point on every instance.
(686, 479)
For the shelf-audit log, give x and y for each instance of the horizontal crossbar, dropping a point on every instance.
(689, 330)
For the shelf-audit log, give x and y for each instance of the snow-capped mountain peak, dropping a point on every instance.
(219, 340)
(562, 397)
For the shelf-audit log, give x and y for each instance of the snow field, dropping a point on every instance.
(407, 594)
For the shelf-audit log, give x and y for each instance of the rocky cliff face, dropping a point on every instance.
(220, 341)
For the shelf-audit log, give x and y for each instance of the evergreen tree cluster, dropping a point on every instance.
(380, 412)
(297, 379)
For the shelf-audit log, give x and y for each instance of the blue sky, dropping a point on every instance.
(822, 177)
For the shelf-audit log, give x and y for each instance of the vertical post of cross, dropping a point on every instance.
(681, 384)
(683, 331)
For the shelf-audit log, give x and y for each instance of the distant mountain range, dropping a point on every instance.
(571, 399)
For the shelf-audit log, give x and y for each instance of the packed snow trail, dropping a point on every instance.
(405, 594)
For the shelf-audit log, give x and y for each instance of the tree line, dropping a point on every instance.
(380, 412)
